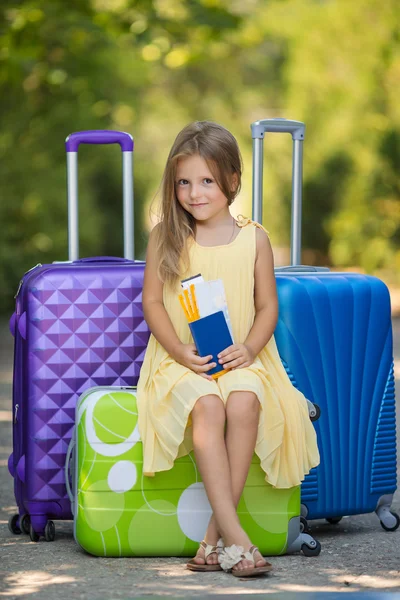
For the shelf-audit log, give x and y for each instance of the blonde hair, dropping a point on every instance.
(218, 147)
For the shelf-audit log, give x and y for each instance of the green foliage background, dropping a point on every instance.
(150, 66)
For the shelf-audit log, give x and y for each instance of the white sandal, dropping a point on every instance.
(232, 555)
(208, 549)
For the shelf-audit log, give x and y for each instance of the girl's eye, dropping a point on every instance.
(208, 180)
(183, 182)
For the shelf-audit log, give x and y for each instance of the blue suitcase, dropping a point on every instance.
(334, 337)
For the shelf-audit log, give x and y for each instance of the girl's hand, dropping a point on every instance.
(186, 355)
(236, 356)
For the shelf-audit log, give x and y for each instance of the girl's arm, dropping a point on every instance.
(158, 319)
(265, 296)
(266, 307)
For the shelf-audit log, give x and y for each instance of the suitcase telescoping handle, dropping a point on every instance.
(297, 131)
(99, 137)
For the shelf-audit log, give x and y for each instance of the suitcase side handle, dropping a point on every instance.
(297, 131)
(67, 471)
(99, 137)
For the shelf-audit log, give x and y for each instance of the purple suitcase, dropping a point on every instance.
(77, 324)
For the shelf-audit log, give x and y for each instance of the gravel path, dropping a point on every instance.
(357, 554)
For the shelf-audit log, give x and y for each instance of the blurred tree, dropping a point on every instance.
(341, 79)
(151, 66)
(87, 65)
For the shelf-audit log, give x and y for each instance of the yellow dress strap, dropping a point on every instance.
(243, 221)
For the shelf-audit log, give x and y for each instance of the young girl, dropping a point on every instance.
(252, 407)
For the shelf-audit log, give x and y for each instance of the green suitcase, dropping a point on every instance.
(119, 512)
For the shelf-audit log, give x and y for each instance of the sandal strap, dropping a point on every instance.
(249, 555)
(252, 551)
(208, 549)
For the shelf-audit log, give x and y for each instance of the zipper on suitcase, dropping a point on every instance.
(16, 413)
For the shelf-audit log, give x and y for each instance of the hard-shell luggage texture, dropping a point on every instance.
(334, 336)
(119, 512)
(76, 325)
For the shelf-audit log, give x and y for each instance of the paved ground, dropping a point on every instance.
(357, 554)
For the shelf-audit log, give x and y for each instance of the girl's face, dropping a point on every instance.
(197, 190)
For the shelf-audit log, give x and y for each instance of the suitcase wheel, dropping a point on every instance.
(25, 523)
(316, 413)
(389, 524)
(304, 528)
(50, 531)
(33, 535)
(334, 520)
(312, 548)
(13, 524)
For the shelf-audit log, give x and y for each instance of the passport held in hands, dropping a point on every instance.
(206, 310)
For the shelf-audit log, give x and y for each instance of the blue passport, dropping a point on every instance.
(211, 335)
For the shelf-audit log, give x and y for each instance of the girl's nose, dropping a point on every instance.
(195, 192)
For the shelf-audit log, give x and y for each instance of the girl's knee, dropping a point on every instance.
(209, 408)
(242, 407)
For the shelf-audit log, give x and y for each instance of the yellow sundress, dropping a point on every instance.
(167, 391)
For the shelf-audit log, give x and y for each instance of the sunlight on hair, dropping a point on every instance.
(240, 206)
(151, 211)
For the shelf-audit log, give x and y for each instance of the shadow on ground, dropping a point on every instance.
(357, 555)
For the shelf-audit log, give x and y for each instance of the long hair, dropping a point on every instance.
(218, 147)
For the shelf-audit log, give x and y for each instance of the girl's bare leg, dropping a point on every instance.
(242, 412)
(208, 418)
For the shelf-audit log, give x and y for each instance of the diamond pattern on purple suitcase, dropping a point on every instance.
(85, 329)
